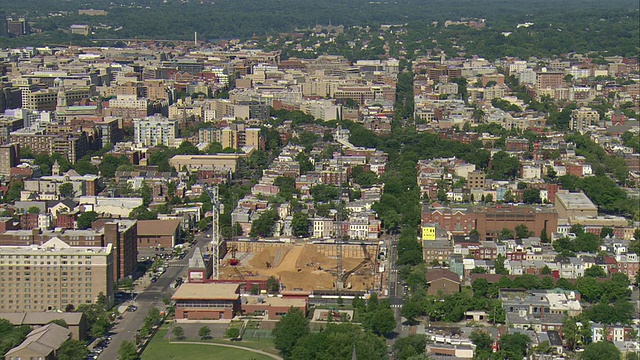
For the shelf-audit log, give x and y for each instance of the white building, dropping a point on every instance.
(155, 130)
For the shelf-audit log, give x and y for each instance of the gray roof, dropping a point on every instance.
(43, 340)
(196, 261)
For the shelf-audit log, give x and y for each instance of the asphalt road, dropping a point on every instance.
(395, 290)
(149, 297)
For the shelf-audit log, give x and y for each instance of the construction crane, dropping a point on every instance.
(339, 281)
(215, 231)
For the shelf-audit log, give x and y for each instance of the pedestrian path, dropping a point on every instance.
(276, 357)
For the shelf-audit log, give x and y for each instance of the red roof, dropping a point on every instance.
(436, 274)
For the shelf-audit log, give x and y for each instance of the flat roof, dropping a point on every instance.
(578, 201)
(207, 291)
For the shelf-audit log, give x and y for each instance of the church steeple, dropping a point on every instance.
(55, 168)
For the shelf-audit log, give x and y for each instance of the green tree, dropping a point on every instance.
(272, 285)
(66, 190)
(204, 332)
(546, 270)
(232, 332)
(483, 342)
(480, 288)
(300, 225)
(289, 330)
(33, 210)
(499, 265)
(606, 231)
(263, 226)
(379, 318)
(86, 219)
(531, 196)
(515, 345)
(595, 271)
(337, 341)
(600, 350)
(522, 231)
(504, 166)
(178, 332)
(73, 350)
(412, 345)
(128, 351)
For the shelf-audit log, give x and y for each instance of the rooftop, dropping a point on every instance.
(57, 247)
(208, 291)
(576, 201)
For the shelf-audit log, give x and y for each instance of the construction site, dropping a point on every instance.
(304, 266)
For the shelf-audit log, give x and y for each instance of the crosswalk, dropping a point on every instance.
(176, 265)
(396, 306)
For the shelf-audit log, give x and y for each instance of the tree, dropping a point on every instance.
(86, 219)
(337, 341)
(300, 224)
(33, 210)
(178, 332)
(595, 271)
(531, 196)
(128, 351)
(406, 347)
(379, 317)
(506, 234)
(499, 265)
(546, 270)
(483, 342)
(263, 226)
(480, 288)
(272, 284)
(73, 350)
(522, 231)
(66, 190)
(600, 350)
(504, 166)
(204, 332)
(515, 345)
(606, 231)
(232, 333)
(289, 330)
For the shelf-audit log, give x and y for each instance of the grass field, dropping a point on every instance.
(160, 348)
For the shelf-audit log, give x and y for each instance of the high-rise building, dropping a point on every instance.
(53, 276)
(9, 156)
(155, 130)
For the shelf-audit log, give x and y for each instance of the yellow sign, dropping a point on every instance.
(428, 233)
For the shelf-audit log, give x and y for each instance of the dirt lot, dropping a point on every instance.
(299, 267)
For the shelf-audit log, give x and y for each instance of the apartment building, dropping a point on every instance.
(155, 130)
(9, 156)
(582, 118)
(53, 276)
(122, 234)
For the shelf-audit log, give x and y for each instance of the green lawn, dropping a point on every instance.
(164, 350)
(160, 348)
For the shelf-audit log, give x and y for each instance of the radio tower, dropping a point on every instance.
(215, 233)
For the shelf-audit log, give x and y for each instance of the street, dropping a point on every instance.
(151, 296)
(395, 289)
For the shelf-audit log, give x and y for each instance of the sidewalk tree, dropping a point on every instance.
(128, 351)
